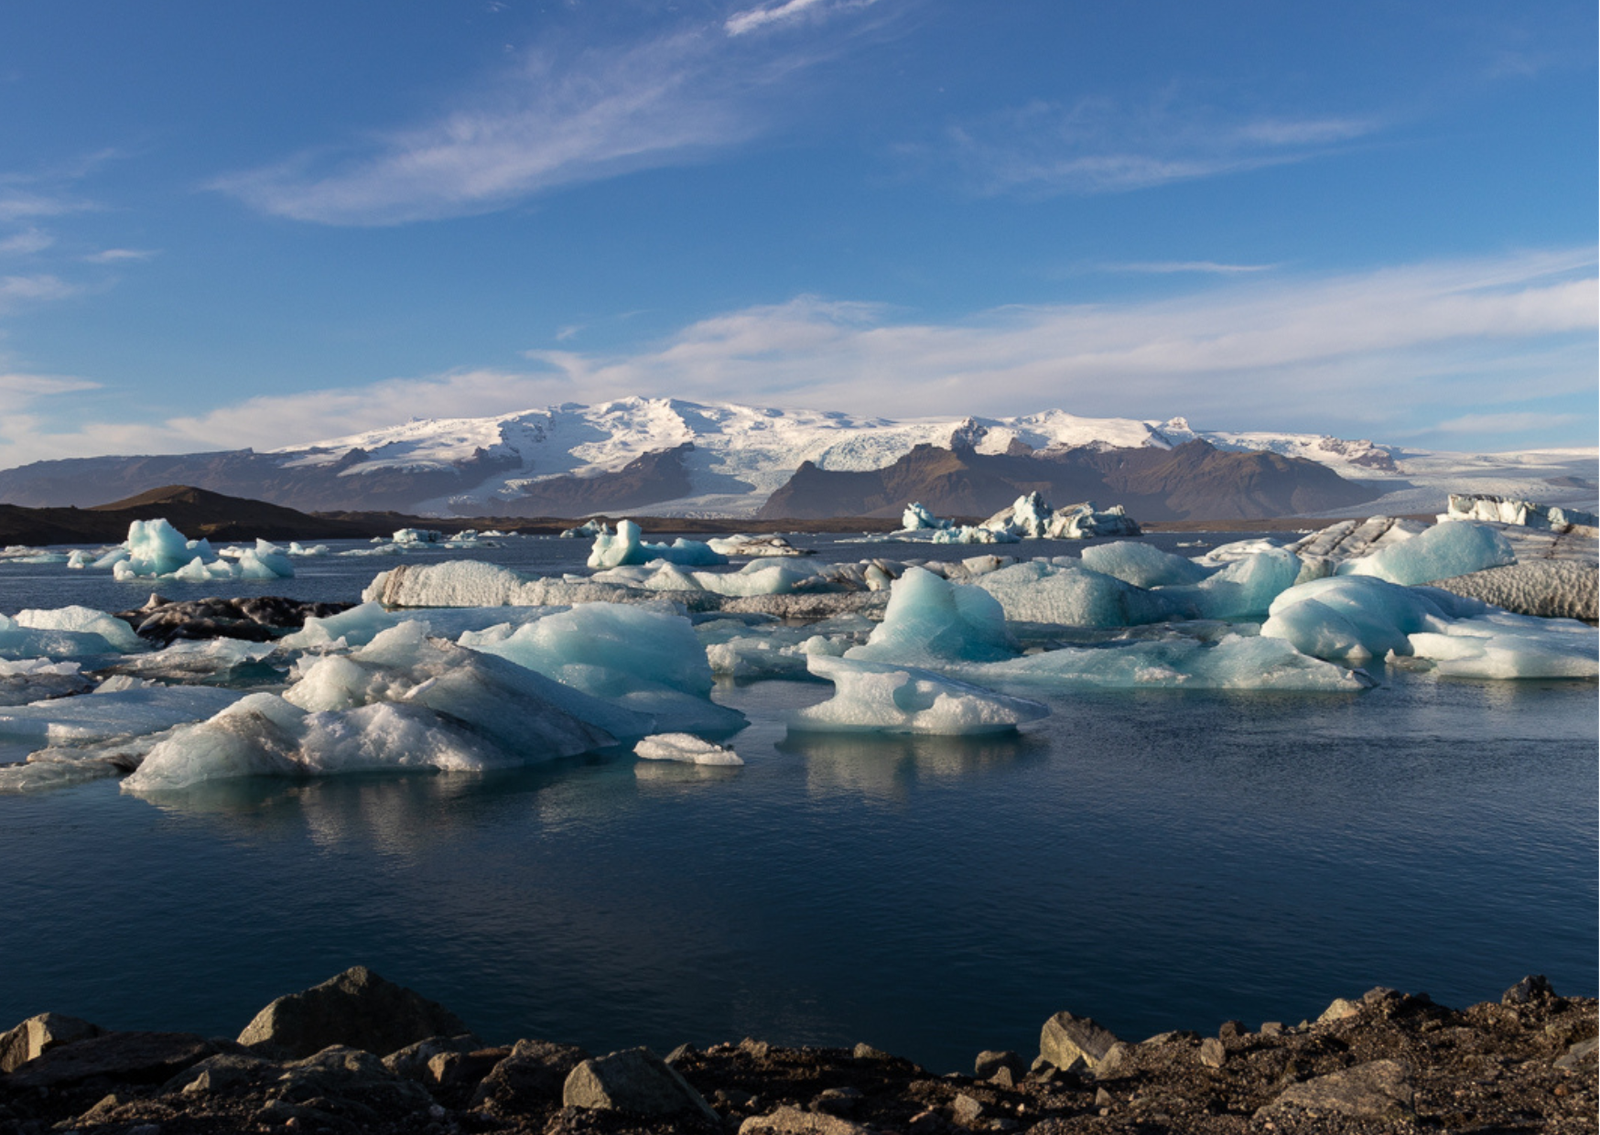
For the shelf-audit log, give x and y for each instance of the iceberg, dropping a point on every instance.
(117, 709)
(641, 660)
(685, 747)
(1244, 589)
(916, 518)
(155, 549)
(587, 530)
(627, 547)
(1450, 548)
(1505, 646)
(36, 679)
(1508, 510)
(879, 697)
(1064, 593)
(66, 632)
(1355, 618)
(1234, 662)
(930, 621)
(1142, 565)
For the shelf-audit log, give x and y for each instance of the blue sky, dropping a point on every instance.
(264, 224)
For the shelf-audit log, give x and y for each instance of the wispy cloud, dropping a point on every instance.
(557, 119)
(26, 243)
(20, 388)
(16, 290)
(757, 18)
(119, 255)
(1372, 354)
(1169, 267)
(1510, 422)
(1097, 145)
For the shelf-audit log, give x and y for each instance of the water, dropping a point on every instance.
(1155, 859)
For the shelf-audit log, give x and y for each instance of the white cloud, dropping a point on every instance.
(1368, 354)
(754, 19)
(20, 388)
(1167, 267)
(119, 255)
(1097, 145)
(560, 118)
(26, 243)
(1509, 422)
(15, 290)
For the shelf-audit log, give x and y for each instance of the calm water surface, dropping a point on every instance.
(1154, 859)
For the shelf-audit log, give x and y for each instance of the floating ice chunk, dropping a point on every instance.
(586, 530)
(264, 561)
(1355, 618)
(1244, 589)
(626, 547)
(23, 554)
(1040, 591)
(1142, 565)
(1224, 554)
(979, 534)
(758, 546)
(66, 632)
(685, 747)
(1511, 646)
(116, 634)
(196, 660)
(298, 549)
(105, 713)
(643, 660)
(916, 517)
(468, 583)
(1450, 548)
(878, 697)
(413, 536)
(756, 578)
(1234, 662)
(35, 679)
(930, 620)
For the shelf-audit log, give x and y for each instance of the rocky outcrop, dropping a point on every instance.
(357, 1008)
(254, 618)
(1383, 1062)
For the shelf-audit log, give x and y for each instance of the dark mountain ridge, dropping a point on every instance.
(1193, 481)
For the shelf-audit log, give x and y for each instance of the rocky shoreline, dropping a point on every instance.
(361, 1054)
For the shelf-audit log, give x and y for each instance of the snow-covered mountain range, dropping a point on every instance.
(668, 457)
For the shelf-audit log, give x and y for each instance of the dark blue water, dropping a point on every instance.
(1156, 859)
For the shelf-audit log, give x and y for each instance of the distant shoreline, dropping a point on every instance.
(198, 513)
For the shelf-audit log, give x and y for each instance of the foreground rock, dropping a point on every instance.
(1385, 1062)
(254, 618)
(358, 1008)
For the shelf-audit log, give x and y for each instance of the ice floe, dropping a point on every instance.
(65, 632)
(684, 747)
(627, 546)
(881, 697)
(1451, 548)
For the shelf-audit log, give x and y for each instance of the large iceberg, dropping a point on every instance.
(1450, 548)
(881, 697)
(641, 660)
(930, 621)
(1142, 565)
(1244, 589)
(155, 549)
(1065, 593)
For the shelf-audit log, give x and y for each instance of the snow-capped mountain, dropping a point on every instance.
(668, 457)
(742, 454)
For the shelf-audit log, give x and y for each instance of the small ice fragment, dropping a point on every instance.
(685, 747)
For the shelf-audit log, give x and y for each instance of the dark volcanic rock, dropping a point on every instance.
(358, 1009)
(254, 618)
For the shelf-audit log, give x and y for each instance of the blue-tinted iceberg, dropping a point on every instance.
(155, 549)
(638, 659)
(1450, 548)
(1234, 662)
(1142, 565)
(880, 697)
(66, 632)
(1065, 593)
(929, 621)
(1244, 589)
(1501, 646)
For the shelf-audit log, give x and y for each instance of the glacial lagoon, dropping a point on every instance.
(1153, 858)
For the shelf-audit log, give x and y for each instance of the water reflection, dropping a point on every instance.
(889, 767)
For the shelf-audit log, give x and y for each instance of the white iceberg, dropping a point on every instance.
(916, 518)
(684, 747)
(879, 697)
(627, 547)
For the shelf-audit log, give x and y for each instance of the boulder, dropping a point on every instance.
(788, 1120)
(357, 1009)
(37, 1035)
(1212, 1053)
(1066, 1038)
(340, 1072)
(128, 1058)
(1338, 1010)
(633, 1080)
(991, 1061)
(1378, 1088)
(413, 1060)
(532, 1075)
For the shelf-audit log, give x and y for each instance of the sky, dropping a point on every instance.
(264, 224)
